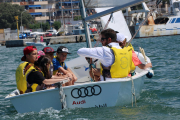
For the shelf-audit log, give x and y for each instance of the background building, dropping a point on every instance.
(52, 10)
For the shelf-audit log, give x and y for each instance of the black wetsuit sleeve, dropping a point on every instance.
(35, 77)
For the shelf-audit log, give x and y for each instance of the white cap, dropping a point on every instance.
(120, 37)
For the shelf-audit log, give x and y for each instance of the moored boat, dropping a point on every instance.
(157, 24)
(36, 43)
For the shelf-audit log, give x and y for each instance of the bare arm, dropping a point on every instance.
(52, 81)
(61, 69)
(59, 77)
(73, 75)
(65, 72)
(97, 71)
(69, 70)
(144, 66)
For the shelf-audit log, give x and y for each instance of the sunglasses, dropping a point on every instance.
(102, 39)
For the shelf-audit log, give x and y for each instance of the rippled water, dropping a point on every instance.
(160, 98)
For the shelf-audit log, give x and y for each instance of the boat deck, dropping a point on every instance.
(83, 80)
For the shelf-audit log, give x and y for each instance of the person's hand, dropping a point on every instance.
(148, 65)
(58, 74)
(69, 79)
(74, 78)
(69, 75)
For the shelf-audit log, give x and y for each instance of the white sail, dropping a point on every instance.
(109, 3)
(117, 23)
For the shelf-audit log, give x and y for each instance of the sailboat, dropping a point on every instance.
(86, 94)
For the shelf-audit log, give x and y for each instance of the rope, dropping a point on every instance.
(63, 97)
(62, 94)
(133, 92)
(143, 53)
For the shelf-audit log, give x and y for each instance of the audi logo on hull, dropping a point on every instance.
(86, 91)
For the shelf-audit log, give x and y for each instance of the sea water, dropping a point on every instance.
(160, 97)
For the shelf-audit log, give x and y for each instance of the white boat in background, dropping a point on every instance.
(85, 94)
(157, 24)
(36, 43)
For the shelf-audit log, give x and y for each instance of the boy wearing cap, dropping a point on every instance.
(49, 52)
(25, 68)
(60, 66)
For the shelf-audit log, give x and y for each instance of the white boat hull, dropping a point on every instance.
(172, 27)
(36, 44)
(106, 94)
(95, 94)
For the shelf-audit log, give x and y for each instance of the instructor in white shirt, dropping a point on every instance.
(104, 54)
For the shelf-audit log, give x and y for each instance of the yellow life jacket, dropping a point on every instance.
(130, 45)
(122, 63)
(130, 48)
(63, 64)
(21, 77)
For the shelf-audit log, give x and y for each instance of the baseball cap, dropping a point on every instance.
(62, 49)
(28, 50)
(48, 50)
(41, 53)
(120, 37)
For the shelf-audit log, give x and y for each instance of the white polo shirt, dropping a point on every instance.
(104, 54)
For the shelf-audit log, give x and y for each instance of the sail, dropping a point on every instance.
(110, 3)
(117, 22)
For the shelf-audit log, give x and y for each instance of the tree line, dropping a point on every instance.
(8, 12)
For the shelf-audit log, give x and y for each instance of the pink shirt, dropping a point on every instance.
(135, 59)
(41, 39)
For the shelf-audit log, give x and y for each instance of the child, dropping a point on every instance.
(60, 65)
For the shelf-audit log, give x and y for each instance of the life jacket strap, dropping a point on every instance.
(109, 46)
(106, 72)
(27, 67)
(29, 88)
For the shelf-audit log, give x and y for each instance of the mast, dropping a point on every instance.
(62, 15)
(72, 9)
(86, 28)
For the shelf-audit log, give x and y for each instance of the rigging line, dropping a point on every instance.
(87, 3)
(142, 24)
(98, 40)
(158, 1)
